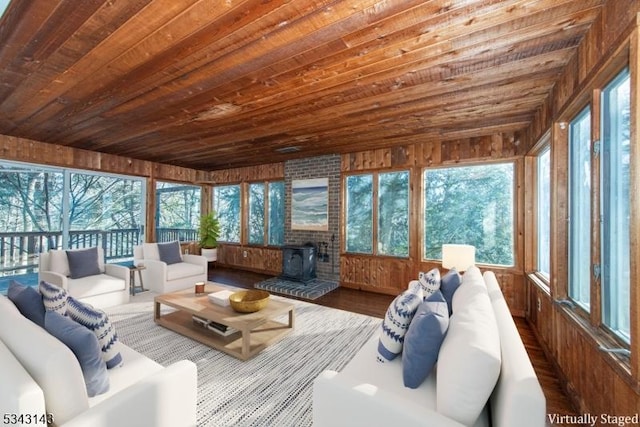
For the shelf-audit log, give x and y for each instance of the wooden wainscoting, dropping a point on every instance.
(259, 259)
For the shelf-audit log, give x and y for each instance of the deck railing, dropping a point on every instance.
(19, 250)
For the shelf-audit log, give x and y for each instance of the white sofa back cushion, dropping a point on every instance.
(469, 359)
(150, 251)
(49, 362)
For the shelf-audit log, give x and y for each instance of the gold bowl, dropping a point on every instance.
(249, 301)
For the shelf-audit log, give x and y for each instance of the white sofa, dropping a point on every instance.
(107, 289)
(40, 376)
(162, 277)
(369, 393)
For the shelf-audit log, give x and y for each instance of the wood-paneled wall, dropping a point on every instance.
(391, 275)
(598, 382)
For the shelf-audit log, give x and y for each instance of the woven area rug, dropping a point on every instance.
(310, 290)
(272, 389)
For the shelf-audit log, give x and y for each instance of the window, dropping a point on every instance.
(256, 213)
(359, 213)
(105, 210)
(393, 214)
(387, 195)
(44, 208)
(177, 211)
(580, 208)
(264, 216)
(471, 205)
(543, 228)
(226, 204)
(615, 206)
(276, 213)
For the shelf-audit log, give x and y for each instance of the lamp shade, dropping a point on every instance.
(460, 257)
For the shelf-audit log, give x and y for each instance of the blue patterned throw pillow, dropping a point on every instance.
(54, 297)
(97, 321)
(430, 282)
(396, 323)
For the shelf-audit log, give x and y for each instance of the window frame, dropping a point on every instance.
(375, 206)
(244, 211)
(516, 165)
(592, 323)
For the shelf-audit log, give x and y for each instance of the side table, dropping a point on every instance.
(132, 278)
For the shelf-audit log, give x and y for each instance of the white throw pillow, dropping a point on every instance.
(469, 359)
(150, 251)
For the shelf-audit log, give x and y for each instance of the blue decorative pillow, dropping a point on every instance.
(169, 252)
(54, 297)
(396, 323)
(83, 263)
(448, 285)
(423, 340)
(97, 322)
(84, 344)
(430, 281)
(28, 301)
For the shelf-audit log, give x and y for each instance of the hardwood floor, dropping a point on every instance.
(376, 305)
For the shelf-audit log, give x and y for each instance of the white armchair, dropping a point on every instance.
(109, 285)
(181, 272)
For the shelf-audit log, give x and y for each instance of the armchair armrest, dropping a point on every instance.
(54, 278)
(165, 399)
(155, 273)
(119, 271)
(196, 259)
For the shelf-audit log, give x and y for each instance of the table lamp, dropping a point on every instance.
(460, 257)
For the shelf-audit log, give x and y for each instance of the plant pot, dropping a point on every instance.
(210, 254)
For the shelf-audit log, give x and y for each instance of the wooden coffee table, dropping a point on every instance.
(255, 331)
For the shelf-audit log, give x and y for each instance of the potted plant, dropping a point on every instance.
(209, 232)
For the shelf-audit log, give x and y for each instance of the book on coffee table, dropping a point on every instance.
(221, 329)
(221, 297)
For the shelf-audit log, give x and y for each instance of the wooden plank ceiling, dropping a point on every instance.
(212, 84)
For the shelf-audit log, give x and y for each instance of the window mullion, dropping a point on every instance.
(374, 205)
(595, 314)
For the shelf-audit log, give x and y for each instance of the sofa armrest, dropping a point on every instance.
(19, 393)
(54, 278)
(165, 399)
(338, 400)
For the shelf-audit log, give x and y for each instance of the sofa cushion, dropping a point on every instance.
(54, 297)
(94, 285)
(49, 362)
(97, 322)
(83, 263)
(183, 269)
(430, 281)
(423, 340)
(449, 283)
(170, 252)
(84, 345)
(28, 301)
(469, 360)
(396, 323)
(150, 251)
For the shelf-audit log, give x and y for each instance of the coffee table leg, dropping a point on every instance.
(292, 318)
(246, 343)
